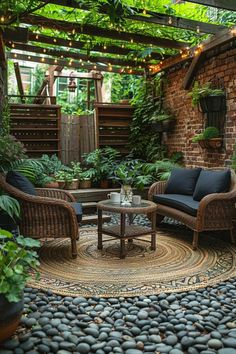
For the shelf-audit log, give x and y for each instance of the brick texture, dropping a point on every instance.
(190, 121)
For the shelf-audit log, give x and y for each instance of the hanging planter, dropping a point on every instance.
(209, 139)
(162, 123)
(214, 143)
(212, 103)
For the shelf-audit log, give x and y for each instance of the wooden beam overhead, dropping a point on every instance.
(223, 37)
(195, 65)
(101, 32)
(220, 4)
(88, 76)
(56, 41)
(153, 17)
(3, 61)
(19, 82)
(73, 64)
(73, 55)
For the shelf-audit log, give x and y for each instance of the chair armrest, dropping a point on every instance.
(156, 188)
(216, 209)
(55, 193)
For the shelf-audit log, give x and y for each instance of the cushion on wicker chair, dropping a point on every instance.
(182, 181)
(78, 210)
(177, 201)
(212, 182)
(20, 182)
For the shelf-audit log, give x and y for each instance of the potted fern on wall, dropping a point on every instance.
(209, 138)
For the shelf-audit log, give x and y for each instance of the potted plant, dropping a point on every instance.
(70, 181)
(130, 174)
(209, 138)
(76, 170)
(17, 259)
(210, 99)
(60, 178)
(86, 179)
(101, 162)
(162, 122)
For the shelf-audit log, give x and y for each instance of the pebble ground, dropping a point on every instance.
(201, 321)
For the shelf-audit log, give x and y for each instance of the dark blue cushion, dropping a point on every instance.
(212, 182)
(20, 182)
(177, 201)
(182, 181)
(78, 210)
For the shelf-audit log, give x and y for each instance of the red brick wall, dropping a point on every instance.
(190, 120)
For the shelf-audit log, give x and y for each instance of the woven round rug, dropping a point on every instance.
(173, 267)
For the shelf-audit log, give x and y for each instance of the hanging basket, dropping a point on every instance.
(163, 125)
(213, 103)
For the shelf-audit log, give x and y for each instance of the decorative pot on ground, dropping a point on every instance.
(61, 184)
(52, 185)
(74, 184)
(10, 316)
(212, 103)
(85, 184)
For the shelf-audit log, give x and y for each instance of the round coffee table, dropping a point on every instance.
(128, 231)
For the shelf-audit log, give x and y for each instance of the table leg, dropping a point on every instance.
(122, 234)
(99, 229)
(153, 235)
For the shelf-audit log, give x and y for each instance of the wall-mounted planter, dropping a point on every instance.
(163, 125)
(214, 143)
(213, 104)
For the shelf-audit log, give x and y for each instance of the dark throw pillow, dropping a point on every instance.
(182, 181)
(20, 182)
(212, 182)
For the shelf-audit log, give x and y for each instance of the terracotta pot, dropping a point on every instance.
(104, 184)
(214, 143)
(61, 184)
(72, 185)
(52, 185)
(85, 184)
(10, 316)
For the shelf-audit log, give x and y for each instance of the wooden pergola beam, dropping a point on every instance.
(88, 76)
(56, 41)
(153, 17)
(74, 64)
(220, 4)
(101, 32)
(195, 65)
(73, 55)
(3, 60)
(223, 37)
(19, 81)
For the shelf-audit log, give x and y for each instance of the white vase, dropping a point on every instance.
(126, 194)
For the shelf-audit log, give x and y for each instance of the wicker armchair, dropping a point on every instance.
(216, 211)
(47, 215)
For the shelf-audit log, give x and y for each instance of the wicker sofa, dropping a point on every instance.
(214, 211)
(49, 214)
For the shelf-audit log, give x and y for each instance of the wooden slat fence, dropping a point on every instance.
(77, 137)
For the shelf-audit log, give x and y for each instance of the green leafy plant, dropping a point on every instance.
(203, 91)
(9, 205)
(161, 169)
(11, 151)
(101, 162)
(77, 169)
(208, 133)
(160, 117)
(52, 164)
(5, 119)
(17, 259)
(130, 172)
